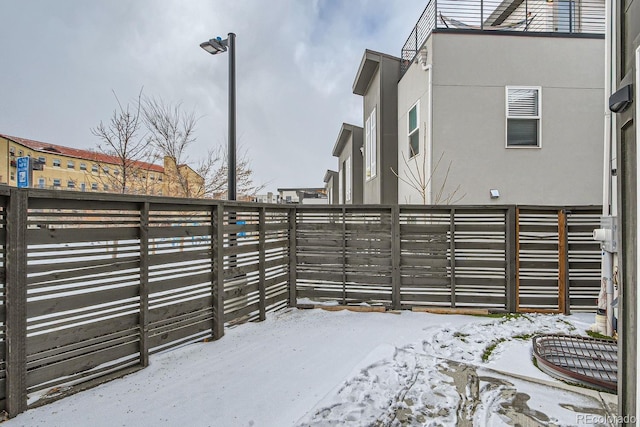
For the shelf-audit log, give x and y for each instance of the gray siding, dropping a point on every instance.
(388, 129)
(470, 73)
(627, 41)
(357, 164)
(382, 94)
(371, 100)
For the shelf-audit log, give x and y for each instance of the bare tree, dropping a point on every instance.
(171, 132)
(417, 176)
(127, 150)
(214, 169)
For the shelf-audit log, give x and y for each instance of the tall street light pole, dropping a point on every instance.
(215, 46)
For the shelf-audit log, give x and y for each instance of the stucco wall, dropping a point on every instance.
(388, 129)
(357, 164)
(470, 73)
(346, 153)
(371, 100)
(414, 171)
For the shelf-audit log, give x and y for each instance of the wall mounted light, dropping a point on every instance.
(621, 99)
(494, 193)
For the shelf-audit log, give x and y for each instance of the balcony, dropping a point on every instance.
(571, 17)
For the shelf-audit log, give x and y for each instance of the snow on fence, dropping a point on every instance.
(95, 283)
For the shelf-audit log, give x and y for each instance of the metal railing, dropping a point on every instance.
(536, 16)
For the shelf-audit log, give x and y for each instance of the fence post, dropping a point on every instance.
(452, 250)
(512, 256)
(293, 261)
(16, 302)
(396, 277)
(144, 285)
(261, 264)
(217, 269)
(563, 263)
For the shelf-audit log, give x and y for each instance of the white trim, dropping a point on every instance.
(348, 179)
(371, 145)
(417, 129)
(340, 185)
(507, 117)
(428, 151)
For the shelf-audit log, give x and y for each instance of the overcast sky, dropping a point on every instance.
(296, 62)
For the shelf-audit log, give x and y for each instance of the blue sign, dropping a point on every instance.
(24, 172)
(242, 233)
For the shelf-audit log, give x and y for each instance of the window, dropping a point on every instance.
(105, 169)
(83, 166)
(371, 147)
(106, 187)
(159, 177)
(523, 117)
(347, 178)
(116, 172)
(83, 187)
(71, 165)
(12, 151)
(42, 160)
(94, 168)
(56, 162)
(56, 183)
(71, 184)
(94, 186)
(341, 185)
(414, 130)
(41, 182)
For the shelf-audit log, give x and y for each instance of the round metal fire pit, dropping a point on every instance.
(583, 360)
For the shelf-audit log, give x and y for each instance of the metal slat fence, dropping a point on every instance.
(94, 284)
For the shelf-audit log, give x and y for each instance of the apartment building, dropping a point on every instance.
(348, 149)
(64, 168)
(331, 185)
(306, 196)
(489, 102)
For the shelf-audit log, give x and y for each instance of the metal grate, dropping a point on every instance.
(588, 361)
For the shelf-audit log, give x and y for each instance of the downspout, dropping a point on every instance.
(429, 148)
(637, 126)
(609, 75)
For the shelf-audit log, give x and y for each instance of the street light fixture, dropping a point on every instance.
(214, 47)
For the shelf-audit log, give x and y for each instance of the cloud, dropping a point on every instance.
(296, 61)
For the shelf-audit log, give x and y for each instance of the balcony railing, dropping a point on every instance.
(536, 16)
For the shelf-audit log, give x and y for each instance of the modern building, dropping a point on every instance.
(64, 168)
(623, 66)
(307, 196)
(489, 103)
(377, 83)
(349, 151)
(331, 181)
(265, 198)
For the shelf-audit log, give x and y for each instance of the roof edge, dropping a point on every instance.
(345, 131)
(368, 65)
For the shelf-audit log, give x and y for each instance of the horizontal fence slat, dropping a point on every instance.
(77, 301)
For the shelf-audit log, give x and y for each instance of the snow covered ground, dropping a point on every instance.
(314, 367)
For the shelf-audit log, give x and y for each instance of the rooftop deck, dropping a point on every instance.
(534, 16)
